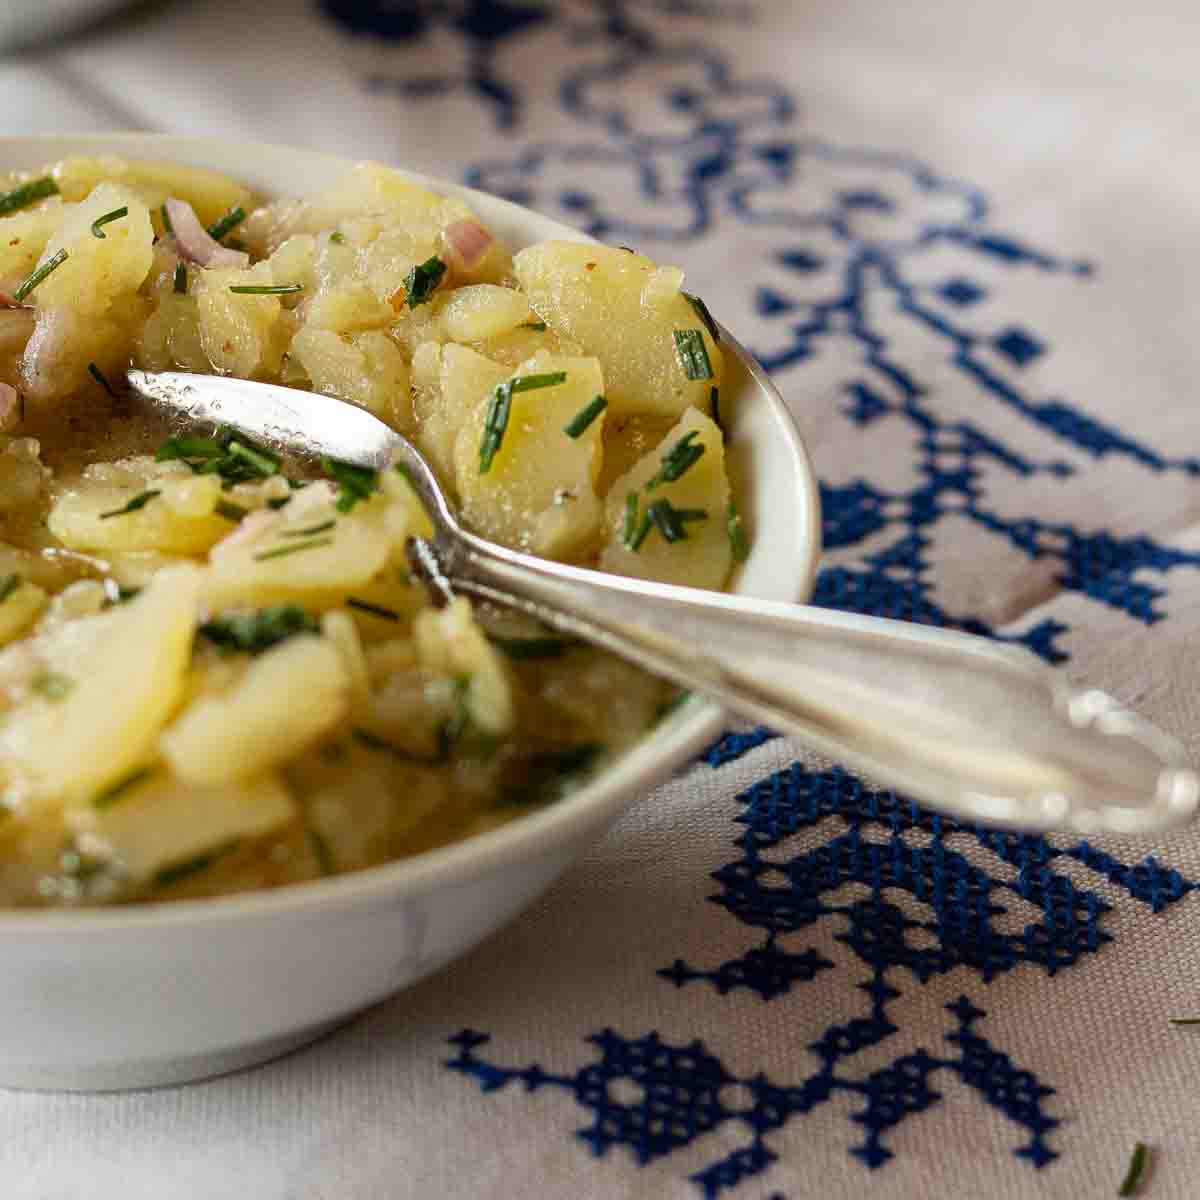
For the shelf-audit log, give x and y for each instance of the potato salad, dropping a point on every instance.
(217, 673)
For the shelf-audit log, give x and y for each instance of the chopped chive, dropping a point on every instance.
(255, 632)
(714, 403)
(321, 852)
(294, 548)
(98, 375)
(139, 501)
(373, 742)
(266, 289)
(540, 326)
(1170, 1020)
(496, 422)
(422, 281)
(584, 417)
(702, 312)
(629, 528)
(693, 357)
(229, 510)
(406, 475)
(376, 610)
(677, 461)
(354, 483)
(641, 533)
(121, 788)
(669, 520)
(522, 648)
(179, 871)
(187, 448)
(277, 502)
(181, 279)
(166, 219)
(8, 585)
(262, 461)
(125, 594)
(27, 194)
(310, 530)
(738, 541)
(1136, 1170)
(108, 219)
(47, 268)
(337, 237)
(52, 685)
(457, 724)
(226, 224)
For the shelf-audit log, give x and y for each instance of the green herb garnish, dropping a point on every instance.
(309, 530)
(166, 219)
(177, 872)
(321, 852)
(531, 647)
(677, 461)
(702, 312)
(738, 541)
(229, 510)
(1137, 1168)
(540, 326)
(98, 375)
(139, 501)
(422, 281)
(108, 219)
(8, 585)
(714, 404)
(693, 357)
(254, 632)
(257, 460)
(670, 521)
(27, 194)
(630, 526)
(337, 237)
(266, 289)
(181, 279)
(1170, 1020)
(52, 685)
(376, 610)
(373, 742)
(584, 417)
(277, 502)
(125, 594)
(226, 224)
(355, 483)
(496, 422)
(294, 548)
(191, 450)
(121, 788)
(47, 268)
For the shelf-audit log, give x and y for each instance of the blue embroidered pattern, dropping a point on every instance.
(870, 253)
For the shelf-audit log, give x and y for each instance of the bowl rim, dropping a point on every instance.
(592, 807)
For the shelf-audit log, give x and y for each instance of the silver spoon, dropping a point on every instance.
(979, 730)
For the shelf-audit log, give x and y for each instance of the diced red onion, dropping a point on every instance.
(193, 240)
(467, 243)
(10, 407)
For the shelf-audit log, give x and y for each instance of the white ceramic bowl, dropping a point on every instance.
(162, 993)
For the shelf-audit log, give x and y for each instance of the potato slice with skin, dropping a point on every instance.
(161, 821)
(288, 698)
(120, 675)
(704, 557)
(619, 307)
(539, 491)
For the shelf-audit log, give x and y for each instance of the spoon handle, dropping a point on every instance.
(977, 729)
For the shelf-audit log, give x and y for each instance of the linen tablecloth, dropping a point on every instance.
(963, 238)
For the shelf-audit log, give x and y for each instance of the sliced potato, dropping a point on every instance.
(483, 310)
(289, 697)
(161, 822)
(617, 306)
(704, 556)
(98, 690)
(366, 369)
(242, 334)
(538, 492)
